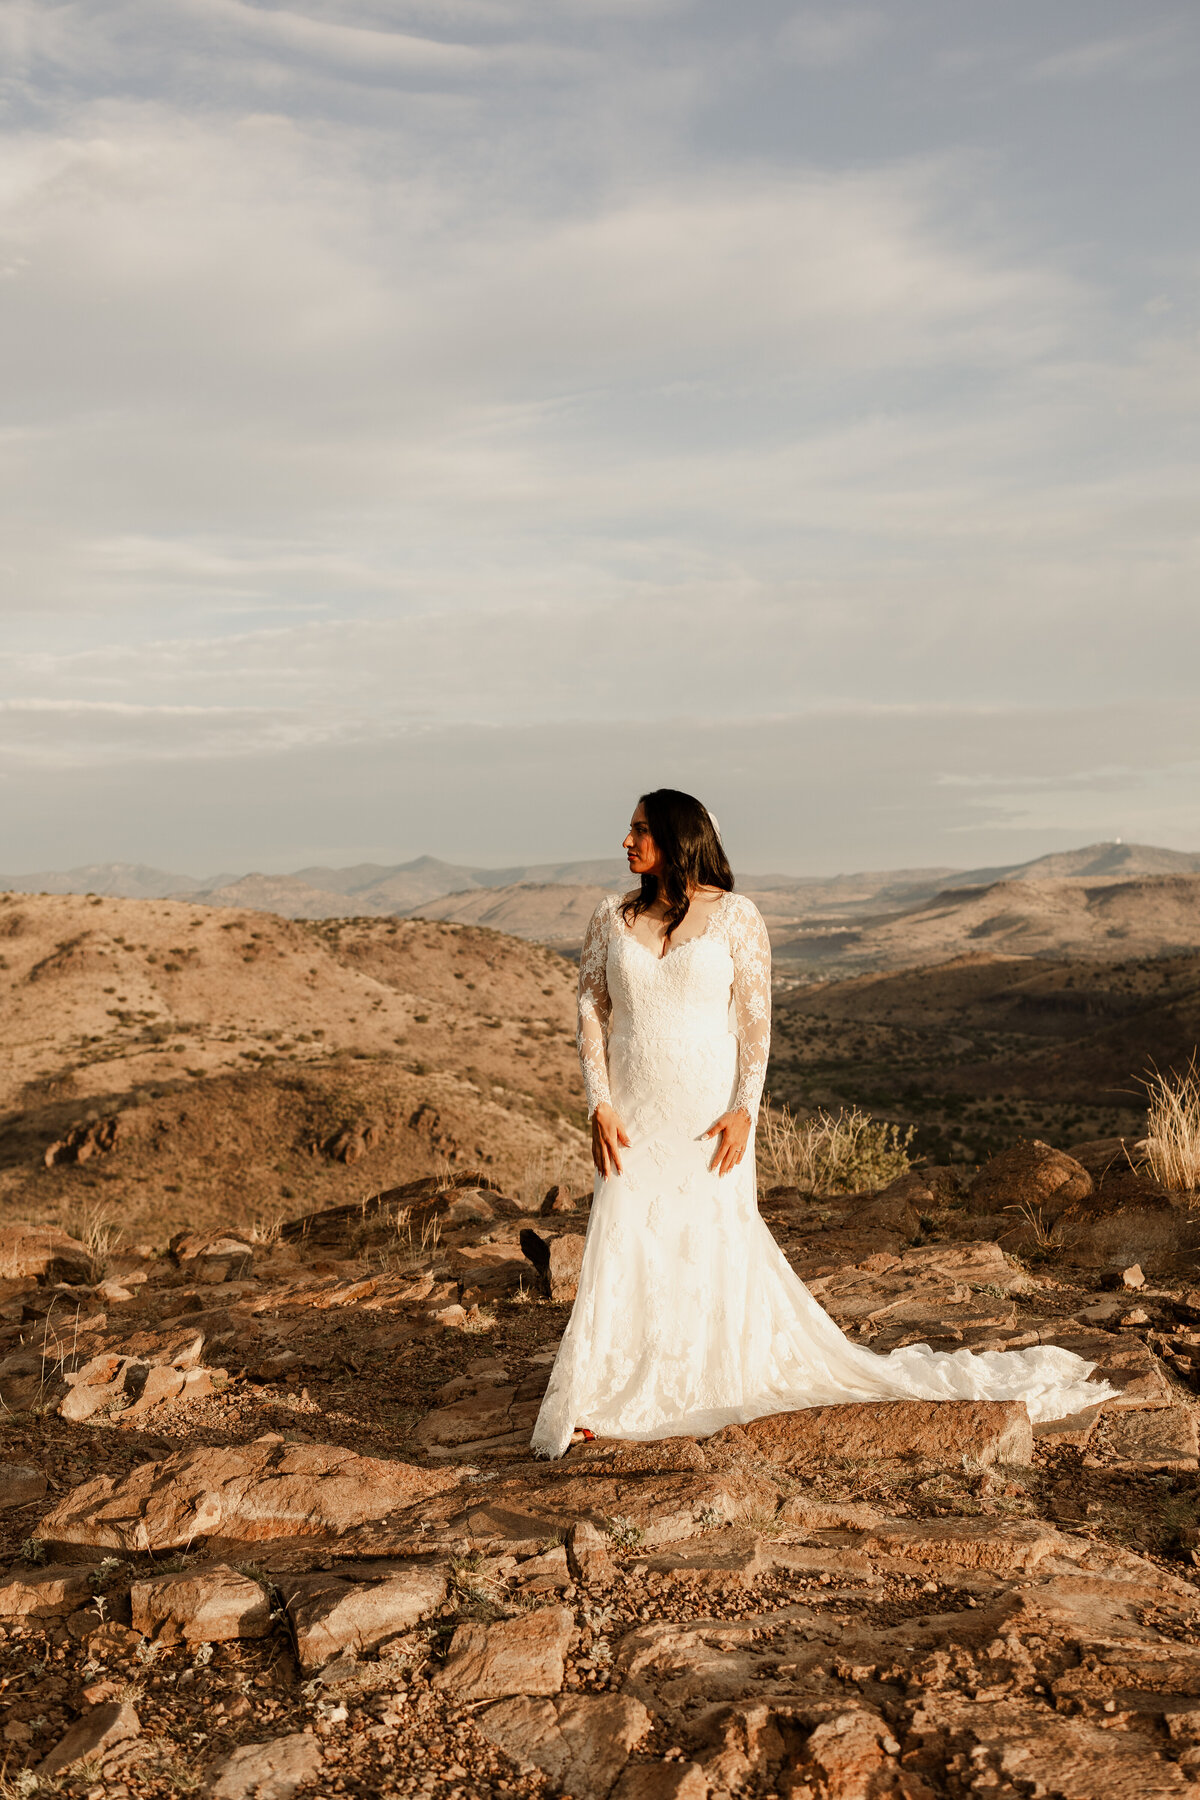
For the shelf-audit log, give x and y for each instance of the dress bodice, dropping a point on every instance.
(716, 984)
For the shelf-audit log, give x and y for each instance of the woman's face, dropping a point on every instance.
(643, 853)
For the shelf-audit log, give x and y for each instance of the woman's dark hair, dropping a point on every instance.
(691, 852)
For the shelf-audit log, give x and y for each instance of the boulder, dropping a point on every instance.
(942, 1431)
(582, 1742)
(1130, 1219)
(211, 1256)
(558, 1261)
(523, 1655)
(1029, 1173)
(43, 1252)
(129, 1386)
(1007, 1545)
(271, 1771)
(44, 1593)
(1164, 1439)
(854, 1754)
(331, 1614)
(548, 1573)
(587, 1555)
(19, 1484)
(91, 1737)
(203, 1605)
(251, 1495)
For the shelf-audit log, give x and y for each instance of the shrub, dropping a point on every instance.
(845, 1152)
(1172, 1142)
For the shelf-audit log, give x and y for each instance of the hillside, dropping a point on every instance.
(981, 1049)
(242, 1056)
(549, 914)
(1147, 916)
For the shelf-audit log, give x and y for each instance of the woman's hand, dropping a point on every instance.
(608, 1137)
(733, 1128)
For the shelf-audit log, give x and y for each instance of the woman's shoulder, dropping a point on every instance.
(740, 912)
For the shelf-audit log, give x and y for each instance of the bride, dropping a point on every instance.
(688, 1315)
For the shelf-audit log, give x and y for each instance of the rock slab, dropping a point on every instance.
(582, 1742)
(944, 1431)
(44, 1593)
(271, 1771)
(523, 1655)
(211, 1605)
(331, 1615)
(43, 1252)
(252, 1495)
(19, 1484)
(98, 1731)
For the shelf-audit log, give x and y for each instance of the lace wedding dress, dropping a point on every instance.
(688, 1315)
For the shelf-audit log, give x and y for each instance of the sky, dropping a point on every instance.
(425, 426)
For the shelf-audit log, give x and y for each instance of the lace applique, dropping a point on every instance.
(741, 925)
(595, 1007)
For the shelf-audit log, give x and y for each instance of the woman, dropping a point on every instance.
(688, 1315)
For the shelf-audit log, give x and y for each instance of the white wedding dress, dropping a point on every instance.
(688, 1315)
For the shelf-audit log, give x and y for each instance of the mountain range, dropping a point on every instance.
(1100, 900)
(397, 888)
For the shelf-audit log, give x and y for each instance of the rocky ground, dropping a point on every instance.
(272, 1527)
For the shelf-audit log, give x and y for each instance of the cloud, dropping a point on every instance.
(1158, 54)
(822, 39)
(447, 389)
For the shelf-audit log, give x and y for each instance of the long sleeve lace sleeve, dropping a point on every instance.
(594, 1008)
(750, 948)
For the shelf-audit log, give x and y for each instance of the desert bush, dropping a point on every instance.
(844, 1152)
(1172, 1142)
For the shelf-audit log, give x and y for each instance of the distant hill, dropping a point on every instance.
(546, 913)
(1095, 862)
(115, 880)
(1110, 919)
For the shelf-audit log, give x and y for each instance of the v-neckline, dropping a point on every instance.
(661, 956)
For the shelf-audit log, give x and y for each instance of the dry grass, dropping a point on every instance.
(409, 1244)
(1045, 1237)
(23, 1784)
(96, 1229)
(542, 1172)
(1172, 1142)
(266, 1228)
(845, 1152)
